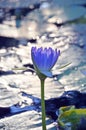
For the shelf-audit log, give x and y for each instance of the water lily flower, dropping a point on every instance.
(44, 59)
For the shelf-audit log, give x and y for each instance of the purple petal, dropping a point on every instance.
(35, 53)
(47, 60)
(47, 73)
(37, 56)
(83, 72)
(55, 57)
(44, 59)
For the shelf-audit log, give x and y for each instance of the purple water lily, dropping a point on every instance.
(44, 59)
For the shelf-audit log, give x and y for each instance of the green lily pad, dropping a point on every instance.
(70, 117)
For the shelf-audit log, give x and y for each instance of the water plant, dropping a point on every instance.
(43, 60)
(71, 118)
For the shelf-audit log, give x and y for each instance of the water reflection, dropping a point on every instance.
(51, 23)
(60, 25)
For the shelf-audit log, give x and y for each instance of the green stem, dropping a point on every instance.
(43, 105)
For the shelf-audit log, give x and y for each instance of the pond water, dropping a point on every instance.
(60, 24)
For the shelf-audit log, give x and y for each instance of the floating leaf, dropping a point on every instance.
(70, 117)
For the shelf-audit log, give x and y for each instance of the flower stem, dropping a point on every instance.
(43, 105)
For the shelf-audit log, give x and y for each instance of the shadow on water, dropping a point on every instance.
(52, 105)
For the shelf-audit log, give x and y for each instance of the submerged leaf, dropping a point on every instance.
(65, 65)
(23, 68)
